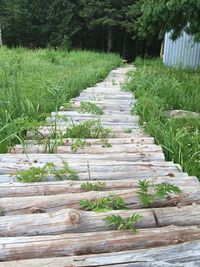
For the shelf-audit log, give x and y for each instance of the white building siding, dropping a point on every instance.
(183, 52)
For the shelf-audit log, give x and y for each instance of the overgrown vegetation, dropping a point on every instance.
(89, 107)
(124, 223)
(148, 194)
(36, 82)
(159, 89)
(87, 129)
(41, 174)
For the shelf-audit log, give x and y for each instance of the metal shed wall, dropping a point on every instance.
(183, 52)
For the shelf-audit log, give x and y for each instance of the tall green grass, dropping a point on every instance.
(36, 82)
(159, 89)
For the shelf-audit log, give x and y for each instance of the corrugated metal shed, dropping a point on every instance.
(183, 52)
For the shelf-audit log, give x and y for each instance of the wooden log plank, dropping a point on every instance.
(112, 141)
(180, 255)
(66, 221)
(74, 221)
(91, 149)
(146, 157)
(16, 248)
(52, 188)
(93, 167)
(50, 203)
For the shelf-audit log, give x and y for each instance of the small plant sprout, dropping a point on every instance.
(145, 197)
(128, 130)
(87, 129)
(111, 202)
(78, 143)
(2, 212)
(124, 223)
(105, 143)
(40, 174)
(148, 194)
(89, 107)
(93, 186)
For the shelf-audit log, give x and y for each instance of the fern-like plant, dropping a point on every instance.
(89, 107)
(104, 204)
(93, 186)
(158, 191)
(124, 223)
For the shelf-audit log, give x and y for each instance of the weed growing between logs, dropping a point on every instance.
(160, 89)
(111, 202)
(148, 194)
(78, 143)
(124, 223)
(87, 129)
(35, 82)
(41, 174)
(93, 186)
(89, 107)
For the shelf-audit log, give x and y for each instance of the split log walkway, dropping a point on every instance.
(43, 224)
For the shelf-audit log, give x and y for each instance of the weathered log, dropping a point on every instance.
(112, 141)
(180, 255)
(143, 156)
(93, 149)
(50, 203)
(16, 248)
(52, 188)
(72, 221)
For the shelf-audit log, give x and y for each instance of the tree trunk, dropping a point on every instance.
(110, 39)
(124, 46)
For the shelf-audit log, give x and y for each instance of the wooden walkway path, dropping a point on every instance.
(42, 223)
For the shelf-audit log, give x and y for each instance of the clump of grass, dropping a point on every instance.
(87, 129)
(159, 191)
(93, 186)
(124, 223)
(89, 107)
(2, 212)
(40, 174)
(160, 89)
(111, 202)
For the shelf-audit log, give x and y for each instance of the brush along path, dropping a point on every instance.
(43, 222)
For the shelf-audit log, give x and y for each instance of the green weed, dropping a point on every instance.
(148, 194)
(89, 107)
(124, 223)
(87, 129)
(93, 186)
(40, 174)
(103, 204)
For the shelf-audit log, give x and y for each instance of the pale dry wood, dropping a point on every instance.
(50, 203)
(91, 149)
(72, 221)
(180, 255)
(146, 157)
(52, 188)
(16, 248)
(112, 141)
(93, 167)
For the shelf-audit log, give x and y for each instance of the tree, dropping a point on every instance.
(159, 16)
(107, 14)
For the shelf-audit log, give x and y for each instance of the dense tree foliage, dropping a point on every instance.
(159, 16)
(129, 27)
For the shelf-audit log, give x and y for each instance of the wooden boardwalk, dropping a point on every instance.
(42, 223)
